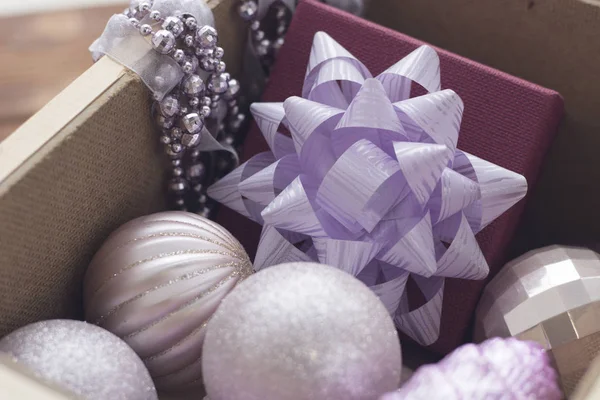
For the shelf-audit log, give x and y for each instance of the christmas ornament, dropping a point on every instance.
(371, 181)
(301, 331)
(497, 369)
(173, 46)
(156, 282)
(87, 361)
(551, 296)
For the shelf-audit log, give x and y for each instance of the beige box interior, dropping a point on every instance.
(90, 160)
(554, 43)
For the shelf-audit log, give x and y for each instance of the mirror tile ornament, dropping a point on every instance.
(551, 296)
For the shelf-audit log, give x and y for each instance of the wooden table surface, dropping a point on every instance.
(40, 55)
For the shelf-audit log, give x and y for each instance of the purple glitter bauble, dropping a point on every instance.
(506, 369)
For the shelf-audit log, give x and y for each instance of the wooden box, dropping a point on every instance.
(89, 160)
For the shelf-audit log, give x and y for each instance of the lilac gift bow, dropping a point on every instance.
(371, 182)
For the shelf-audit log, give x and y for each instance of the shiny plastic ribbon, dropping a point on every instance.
(371, 181)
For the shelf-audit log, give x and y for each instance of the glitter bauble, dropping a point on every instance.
(551, 296)
(156, 282)
(83, 359)
(301, 331)
(505, 369)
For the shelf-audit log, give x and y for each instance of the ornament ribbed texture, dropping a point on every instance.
(156, 282)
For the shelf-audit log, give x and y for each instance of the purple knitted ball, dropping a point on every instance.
(506, 369)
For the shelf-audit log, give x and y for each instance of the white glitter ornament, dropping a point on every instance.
(83, 359)
(301, 331)
(156, 282)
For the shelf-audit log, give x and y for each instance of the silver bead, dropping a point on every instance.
(179, 55)
(233, 110)
(255, 25)
(164, 122)
(202, 199)
(248, 10)
(195, 153)
(207, 36)
(169, 106)
(207, 52)
(192, 123)
(176, 133)
(198, 188)
(191, 140)
(215, 98)
(281, 29)
(194, 102)
(228, 140)
(196, 171)
(144, 7)
(173, 25)
(135, 22)
(278, 43)
(205, 212)
(145, 29)
(206, 101)
(193, 85)
(164, 139)
(236, 122)
(217, 84)
(183, 110)
(259, 35)
(233, 90)
(208, 64)
(127, 13)
(205, 111)
(193, 60)
(177, 172)
(219, 52)
(263, 47)
(191, 23)
(179, 202)
(178, 185)
(187, 67)
(174, 154)
(177, 147)
(221, 67)
(281, 13)
(176, 162)
(155, 15)
(163, 41)
(188, 40)
(222, 164)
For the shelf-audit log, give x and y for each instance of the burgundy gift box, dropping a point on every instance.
(506, 121)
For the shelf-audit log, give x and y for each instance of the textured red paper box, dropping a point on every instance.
(506, 120)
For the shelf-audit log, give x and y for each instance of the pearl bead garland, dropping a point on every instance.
(192, 105)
